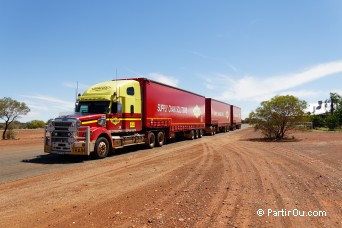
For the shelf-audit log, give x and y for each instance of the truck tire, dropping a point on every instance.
(151, 140)
(192, 135)
(200, 133)
(214, 131)
(196, 134)
(101, 148)
(211, 130)
(160, 139)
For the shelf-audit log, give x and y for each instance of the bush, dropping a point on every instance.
(317, 121)
(332, 122)
(34, 124)
(11, 134)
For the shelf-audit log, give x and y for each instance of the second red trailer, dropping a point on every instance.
(217, 116)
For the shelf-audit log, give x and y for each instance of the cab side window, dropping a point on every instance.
(130, 91)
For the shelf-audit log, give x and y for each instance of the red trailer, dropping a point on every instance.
(171, 111)
(235, 116)
(217, 116)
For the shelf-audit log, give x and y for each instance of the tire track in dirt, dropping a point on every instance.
(310, 187)
(180, 194)
(157, 197)
(216, 204)
(256, 186)
(282, 196)
(227, 208)
(288, 172)
(92, 182)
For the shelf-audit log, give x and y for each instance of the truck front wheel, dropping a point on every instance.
(101, 148)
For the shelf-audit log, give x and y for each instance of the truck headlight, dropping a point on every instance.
(78, 123)
(71, 140)
(51, 126)
(50, 123)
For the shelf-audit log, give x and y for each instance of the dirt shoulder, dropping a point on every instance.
(23, 138)
(219, 181)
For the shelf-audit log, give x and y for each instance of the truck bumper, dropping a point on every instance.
(77, 146)
(77, 149)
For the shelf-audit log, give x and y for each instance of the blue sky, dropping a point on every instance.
(241, 52)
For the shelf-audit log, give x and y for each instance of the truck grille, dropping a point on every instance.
(61, 132)
(60, 136)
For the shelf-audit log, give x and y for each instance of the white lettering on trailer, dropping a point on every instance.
(162, 108)
(218, 114)
(172, 109)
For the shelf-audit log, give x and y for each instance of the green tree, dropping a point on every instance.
(335, 100)
(278, 115)
(338, 113)
(10, 110)
(333, 120)
(34, 124)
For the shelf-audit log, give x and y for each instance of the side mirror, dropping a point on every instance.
(76, 106)
(119, 108)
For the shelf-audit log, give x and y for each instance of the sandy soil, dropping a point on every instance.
(24, 137)
(219, 181)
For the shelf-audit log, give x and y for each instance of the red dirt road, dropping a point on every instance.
(219, 181)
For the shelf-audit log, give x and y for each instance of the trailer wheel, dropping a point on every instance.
(160, 139)
(211, 131)
(151, 140)
(196, 134)
(101, 148)
(200, 133)
(192, 135)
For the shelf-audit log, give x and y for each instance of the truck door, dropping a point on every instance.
(131, 117)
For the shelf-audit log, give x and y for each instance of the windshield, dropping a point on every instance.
(93, 107)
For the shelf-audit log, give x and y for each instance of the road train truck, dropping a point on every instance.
(217, 116)
(124, 112)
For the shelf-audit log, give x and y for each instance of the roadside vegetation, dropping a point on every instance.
(331, 120)
(10, 111)
(275, 117)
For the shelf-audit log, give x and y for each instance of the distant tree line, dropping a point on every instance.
(34, 124)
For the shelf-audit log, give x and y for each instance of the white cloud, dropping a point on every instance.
(45, 107)
(258, 89)
(51, 101)
(169, 80)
